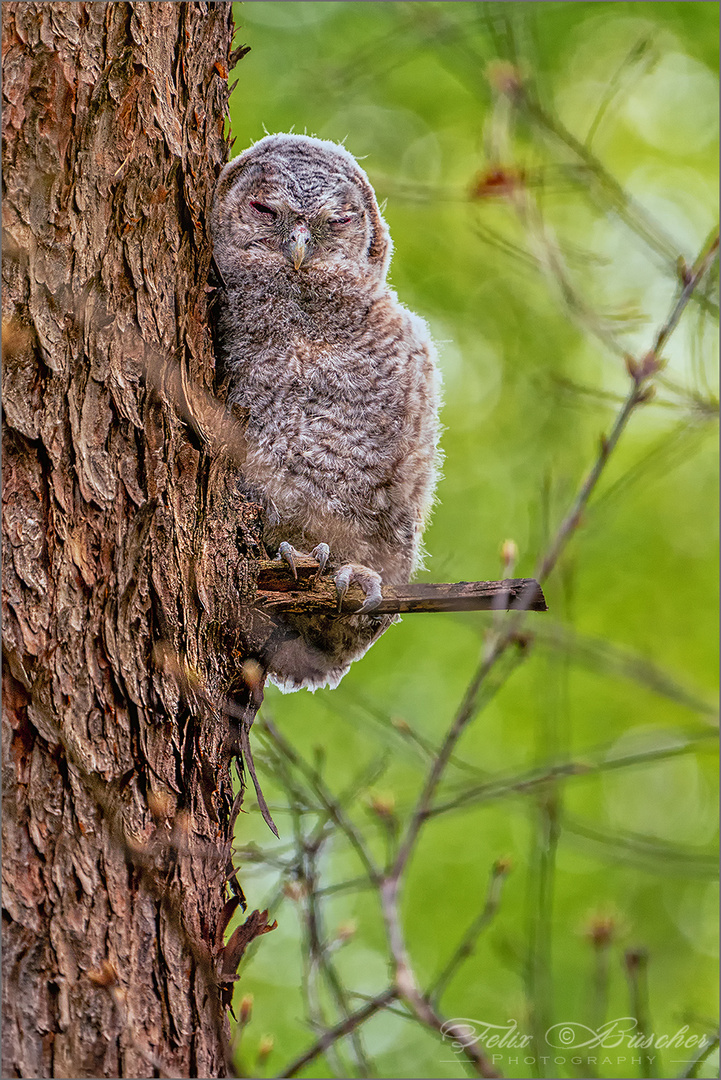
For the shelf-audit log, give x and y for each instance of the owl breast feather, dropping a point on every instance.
(339, 382)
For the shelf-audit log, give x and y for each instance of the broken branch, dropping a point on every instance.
(279, 592)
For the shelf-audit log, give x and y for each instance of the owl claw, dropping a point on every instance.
(321, 552)
(286, 553)
(342, 581)
(369, 581)
(371, 602)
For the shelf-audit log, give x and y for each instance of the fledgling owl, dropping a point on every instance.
(338, 378)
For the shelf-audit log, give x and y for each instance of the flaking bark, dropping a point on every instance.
(124, 544)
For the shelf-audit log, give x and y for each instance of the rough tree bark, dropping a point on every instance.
(117, 793)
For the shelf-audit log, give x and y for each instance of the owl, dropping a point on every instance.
(338, 380)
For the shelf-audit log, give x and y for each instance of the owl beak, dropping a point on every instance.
(299, 244)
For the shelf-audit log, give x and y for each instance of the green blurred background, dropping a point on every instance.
(533, 294)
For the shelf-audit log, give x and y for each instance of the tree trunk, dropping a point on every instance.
(117, 794)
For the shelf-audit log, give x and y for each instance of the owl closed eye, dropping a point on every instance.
(286, 206)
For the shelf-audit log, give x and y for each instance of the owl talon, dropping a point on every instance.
(342, 581)
(369, 581)
(286, 553)
(321, 552)
(371, 601)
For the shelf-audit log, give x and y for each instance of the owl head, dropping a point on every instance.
(298, 203)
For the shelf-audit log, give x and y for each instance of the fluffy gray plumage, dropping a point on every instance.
(338, 377)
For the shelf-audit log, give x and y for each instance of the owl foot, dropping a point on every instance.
(287, 553)
(369, 580)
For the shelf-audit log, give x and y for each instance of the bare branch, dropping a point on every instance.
(641, 372)
(545, 774)
(331, 805)
(279, 593)
(407, 988)
(339, 1031)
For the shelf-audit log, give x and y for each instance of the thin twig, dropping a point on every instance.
(540, 777)
(541, 882)
(407, 988)
(644, 851)
(339, 1031)
(330, 805)
(468, 941)
(692, 281)
(628, 209)
(608, 658)
(640, 372)
(242, 717)
(318, 946)
(461, 720)
(244, 734)
(306, 873)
